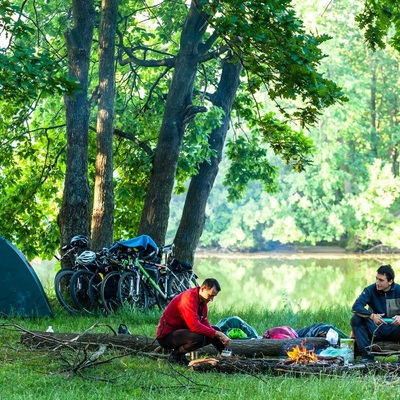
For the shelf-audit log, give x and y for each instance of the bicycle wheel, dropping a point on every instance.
(79, 287)
(62, 282)
(161, 300)
(132, 292)
(189, 279)
(109, 292)
(179, 282)
(95, 291)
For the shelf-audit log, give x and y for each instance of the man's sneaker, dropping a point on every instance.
(369, 360)
(178, 358)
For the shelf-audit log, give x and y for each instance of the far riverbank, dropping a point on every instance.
(300, 252)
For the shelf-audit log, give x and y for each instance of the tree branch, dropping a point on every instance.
(130, 136)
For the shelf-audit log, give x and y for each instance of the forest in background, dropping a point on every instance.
(350, 196)
(345, 192)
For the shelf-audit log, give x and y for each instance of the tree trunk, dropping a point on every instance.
(155, 214)
(103, 204)
(193, 216)
(75, 212)
(373, 111)
(239, 347)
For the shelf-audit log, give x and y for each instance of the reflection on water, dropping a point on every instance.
(300, 283)
(295, 281)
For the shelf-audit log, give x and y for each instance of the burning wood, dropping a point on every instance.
(301, 355)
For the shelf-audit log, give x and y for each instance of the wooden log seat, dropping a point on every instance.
(252, 348)
(384, 348)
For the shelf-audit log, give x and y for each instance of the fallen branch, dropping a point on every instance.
(91, 341)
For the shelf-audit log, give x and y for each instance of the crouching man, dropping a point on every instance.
(184, 326)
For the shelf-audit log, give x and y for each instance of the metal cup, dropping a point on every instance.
(226, 353)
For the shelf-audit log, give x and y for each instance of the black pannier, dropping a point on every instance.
(180, 266)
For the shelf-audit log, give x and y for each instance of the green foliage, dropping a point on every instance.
(373, 209)
(249, 161)
(293, 147)
(35, 71)
(337, 199)
(288, 82)
(377, 20)
(195, 148)
(277, 54)
(30, 188)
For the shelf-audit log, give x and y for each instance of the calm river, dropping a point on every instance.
(296, 280)
(300, 281)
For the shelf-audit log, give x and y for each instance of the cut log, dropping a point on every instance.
(281, 367)
(254, 348)
(258, 348)
(384, 348)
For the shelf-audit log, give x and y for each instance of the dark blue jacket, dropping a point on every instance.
(378, 302)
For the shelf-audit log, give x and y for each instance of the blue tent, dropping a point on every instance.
(21, 292)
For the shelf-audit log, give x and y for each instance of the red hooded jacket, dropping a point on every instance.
(185, 311)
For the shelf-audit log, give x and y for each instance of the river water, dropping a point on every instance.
(272, 280)
(298, 281)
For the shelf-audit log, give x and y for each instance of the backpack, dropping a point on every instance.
(280, 332)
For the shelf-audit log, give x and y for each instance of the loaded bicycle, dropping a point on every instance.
(133, 273)
(145, 281)
(63, 277)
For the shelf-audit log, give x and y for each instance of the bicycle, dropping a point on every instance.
(84, 282)
(146, 282)
(120, 254)
(63, 277)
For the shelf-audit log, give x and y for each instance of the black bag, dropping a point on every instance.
(180, 266)
(123, 330)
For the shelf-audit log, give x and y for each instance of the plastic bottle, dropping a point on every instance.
(332, 337)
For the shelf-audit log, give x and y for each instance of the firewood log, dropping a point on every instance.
(241, 347)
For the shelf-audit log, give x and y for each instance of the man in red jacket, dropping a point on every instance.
(184, 326)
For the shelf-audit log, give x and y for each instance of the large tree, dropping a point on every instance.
(103, 204)
(75, 213)
(192, 222)
(32, 74)
(276, 53)
(188, 45)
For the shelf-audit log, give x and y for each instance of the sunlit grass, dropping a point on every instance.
(35, 374)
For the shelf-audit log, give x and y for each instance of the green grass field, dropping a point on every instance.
(35, 374)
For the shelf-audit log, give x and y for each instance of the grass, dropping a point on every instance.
(34, 374)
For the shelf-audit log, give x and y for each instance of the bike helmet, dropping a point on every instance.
(79, 241)
(86, 258)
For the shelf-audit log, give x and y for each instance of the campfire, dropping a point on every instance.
(301, 355)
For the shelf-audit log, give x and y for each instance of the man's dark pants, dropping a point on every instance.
(365, 332)
(184, 341)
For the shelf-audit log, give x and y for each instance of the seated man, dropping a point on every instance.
(184, 326)
(383, 301)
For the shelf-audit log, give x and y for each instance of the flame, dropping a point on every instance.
(302, 355)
